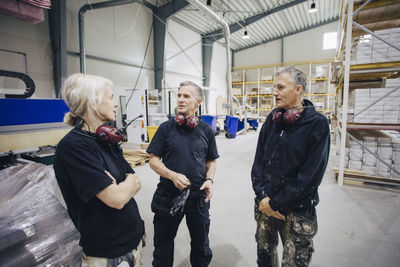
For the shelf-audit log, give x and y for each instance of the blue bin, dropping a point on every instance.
(253, 123)
(232, 127)
(210, 120)
(226, 123)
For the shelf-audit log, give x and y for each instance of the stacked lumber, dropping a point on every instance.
(136, 156)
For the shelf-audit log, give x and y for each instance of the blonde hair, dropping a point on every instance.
(83, 94)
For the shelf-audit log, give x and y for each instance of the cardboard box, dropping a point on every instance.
(392, 52)
(381, 167)
(395, 174)
(355, 164)
(394, 30)
(364, 56)
(390, 121)
(369, 170)
(363, 61)
(369, 159)
(237, 91)
(237, 76)
(383, 32)
(385, 152)
(392, 82)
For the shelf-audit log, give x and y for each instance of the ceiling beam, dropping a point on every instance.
(215, 35)
(288, 34)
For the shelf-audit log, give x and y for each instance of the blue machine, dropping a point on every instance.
(31, 111)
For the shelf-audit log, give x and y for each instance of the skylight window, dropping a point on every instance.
(330, 39)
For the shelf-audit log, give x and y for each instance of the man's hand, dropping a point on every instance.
(208, 187)
(265, 208)
(180, 181)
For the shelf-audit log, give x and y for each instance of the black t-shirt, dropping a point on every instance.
(79, 166)
(184, 150)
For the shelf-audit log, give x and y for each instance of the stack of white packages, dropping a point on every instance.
(356, 156)
(369, 159)
(363, 158)
(385, 153)
(372, 50)
(386, 111)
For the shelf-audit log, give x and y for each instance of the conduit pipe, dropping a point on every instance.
(226, 31)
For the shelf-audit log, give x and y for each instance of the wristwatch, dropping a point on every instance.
(210, 179)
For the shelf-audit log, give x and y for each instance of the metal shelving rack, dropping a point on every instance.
(366, 72)
(258, 111)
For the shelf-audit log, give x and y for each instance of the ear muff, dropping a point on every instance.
(190, 122)
(109, 134)
(289, 116)
(180, 119)
(277, 117)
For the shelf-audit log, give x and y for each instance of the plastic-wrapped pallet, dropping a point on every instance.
(35, 229)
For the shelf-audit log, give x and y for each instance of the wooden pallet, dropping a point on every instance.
(136, 157)
(359, 177)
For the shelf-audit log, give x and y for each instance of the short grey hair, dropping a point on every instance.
(199, 91)
(297, 77)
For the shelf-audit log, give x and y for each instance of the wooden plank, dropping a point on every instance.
(144, 145)
(24, 140)
(360, 175)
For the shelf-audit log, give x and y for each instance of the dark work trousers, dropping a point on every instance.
(296, 233)
(198, 223)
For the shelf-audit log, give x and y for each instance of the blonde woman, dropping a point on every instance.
(97, 183)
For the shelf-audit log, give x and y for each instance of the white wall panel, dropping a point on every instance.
(268, 53)
(308, 45)
(218, 84)
(298, 47)
(182, 66)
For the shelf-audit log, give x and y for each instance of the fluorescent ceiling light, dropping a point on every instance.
(313, 8)
(245, 35)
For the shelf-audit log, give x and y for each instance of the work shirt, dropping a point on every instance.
(79, 166)
(186, 151)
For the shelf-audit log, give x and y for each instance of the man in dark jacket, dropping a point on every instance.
(290, 161)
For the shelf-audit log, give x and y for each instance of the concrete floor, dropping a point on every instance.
(358, 225)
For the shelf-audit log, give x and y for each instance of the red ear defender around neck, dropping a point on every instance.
(277, 117)
(289, 116)
(180, 119)
(190, 122)
(110, 135)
